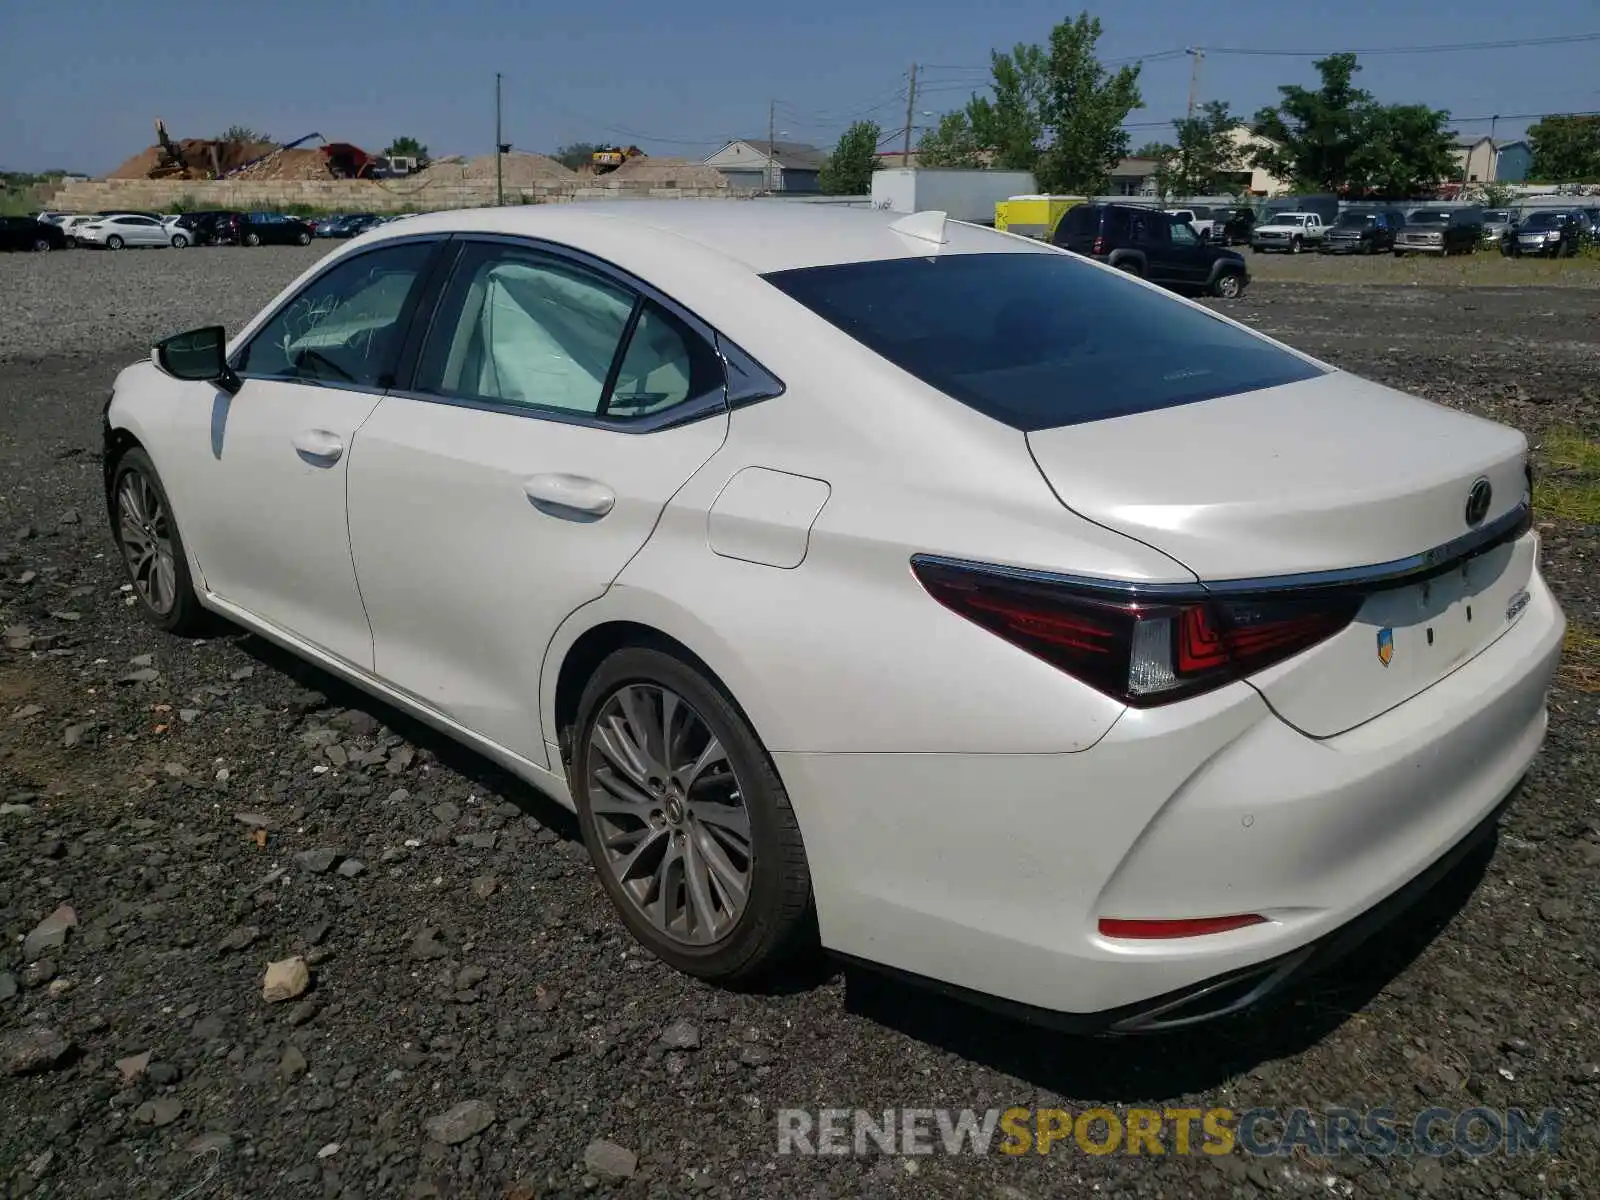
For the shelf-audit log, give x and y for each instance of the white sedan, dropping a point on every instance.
(130, 229)
(978, 610)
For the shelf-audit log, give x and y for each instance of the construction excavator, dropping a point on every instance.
(173, 163)
(609, 158)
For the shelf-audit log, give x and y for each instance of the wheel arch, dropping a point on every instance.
(617, 620)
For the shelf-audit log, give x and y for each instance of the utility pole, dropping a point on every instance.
(911, 108)
(499, 147)
(1196, 53)
(772, 144)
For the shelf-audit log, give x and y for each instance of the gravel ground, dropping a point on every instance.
(475, 1021)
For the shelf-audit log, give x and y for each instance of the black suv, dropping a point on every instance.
(1150, 243)
(1556, 233)
(1440, 231)
(1232, 226)
(1363, 231)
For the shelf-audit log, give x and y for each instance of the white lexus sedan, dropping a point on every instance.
(977, 610)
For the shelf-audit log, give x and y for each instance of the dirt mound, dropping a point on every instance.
(291, 165)
(197, 153)
(667, 173)
(518, 170)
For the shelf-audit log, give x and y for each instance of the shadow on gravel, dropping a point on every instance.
(467, 763)
(1159, 1067)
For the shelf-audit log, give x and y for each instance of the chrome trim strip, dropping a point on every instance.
(1505, 528)
(706, 405)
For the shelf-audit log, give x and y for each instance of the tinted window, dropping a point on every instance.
(528, 330)
(1038, 340)
(345, 325)
(1078, 221)
(1184, 235)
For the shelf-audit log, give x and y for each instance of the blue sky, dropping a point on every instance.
(81, 81)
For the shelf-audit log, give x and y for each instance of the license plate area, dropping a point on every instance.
(1402, 641)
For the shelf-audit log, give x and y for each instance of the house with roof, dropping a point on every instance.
(1475, 159)
(756, 164)
(1513, 162)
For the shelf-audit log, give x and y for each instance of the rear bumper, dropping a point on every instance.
(987, 874)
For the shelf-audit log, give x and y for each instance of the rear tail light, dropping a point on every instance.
(1099, 246)
(1144, 652)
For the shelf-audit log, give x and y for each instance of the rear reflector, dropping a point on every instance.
(1189, 927)
(1142, 652)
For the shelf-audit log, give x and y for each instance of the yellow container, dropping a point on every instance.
(1032, 216)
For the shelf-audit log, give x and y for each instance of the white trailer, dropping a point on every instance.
(963, 195)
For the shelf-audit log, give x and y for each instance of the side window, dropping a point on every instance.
(534, 331)
(344, 326)
(1183, 234)
(665, 364)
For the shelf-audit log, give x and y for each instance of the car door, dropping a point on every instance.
(138, 231)
(1152, 234)
(1191, 261)
(556, 408)
(260, 479)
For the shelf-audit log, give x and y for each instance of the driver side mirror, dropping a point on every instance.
(198, 356)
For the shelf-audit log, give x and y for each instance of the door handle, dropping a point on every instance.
(318, 447)
(570, 497)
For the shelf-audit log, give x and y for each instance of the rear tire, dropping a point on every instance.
(179, 241)
(151, 548)
(252, 239)
(656, 815)
(303, 240)
(1131, 266)
(40, 245)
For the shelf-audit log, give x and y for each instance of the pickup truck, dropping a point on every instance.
(1199, 218)
(1290, 232)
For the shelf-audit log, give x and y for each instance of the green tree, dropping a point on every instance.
(407, 147)
(1566, 149)
(1405, 150)
(951, 143)
(1199, 165)
(1315, 135)
(243, 133)
(1156, 150)
(1011, 124)
(576, 154)
(848, 171)
(1084, 108)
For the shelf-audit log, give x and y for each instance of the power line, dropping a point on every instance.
(1505, 44)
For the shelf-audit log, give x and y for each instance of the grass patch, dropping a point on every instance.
(1580, 659)
(1568, 487)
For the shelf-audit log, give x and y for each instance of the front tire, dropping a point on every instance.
(113, 242)
(686, 820)
(252, 239)
(151, 547)
(303, 240)
(1296, 245)
(1229, 286)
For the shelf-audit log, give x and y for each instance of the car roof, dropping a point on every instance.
(762, 235)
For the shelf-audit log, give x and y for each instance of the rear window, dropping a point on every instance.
(1040, 340)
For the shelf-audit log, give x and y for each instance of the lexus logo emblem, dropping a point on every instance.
(1478, 500)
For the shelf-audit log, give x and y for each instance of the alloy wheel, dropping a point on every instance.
(40, 245)
(1228, 287)
(113, 242)
(669, 814)
(144, 531)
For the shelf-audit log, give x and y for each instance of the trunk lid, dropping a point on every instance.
(1327, 474)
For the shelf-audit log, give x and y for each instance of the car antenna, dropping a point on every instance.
(925, 226)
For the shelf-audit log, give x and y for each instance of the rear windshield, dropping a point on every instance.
(1039, 340)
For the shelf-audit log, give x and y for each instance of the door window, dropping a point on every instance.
(345, 326)
(537, 333)
(1183, 235)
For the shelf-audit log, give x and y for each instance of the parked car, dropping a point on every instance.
(1546, 233)
(204, 226)
(1290, 232)
(69, 226)
(130, 230)
(1152, 244)
(261, 229)
(1199, 217)
(1188, 609)
(1497, 223)
(26, 233)
(347, 226)
(1363, 231)
(1232, 226)
(1440, 231)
